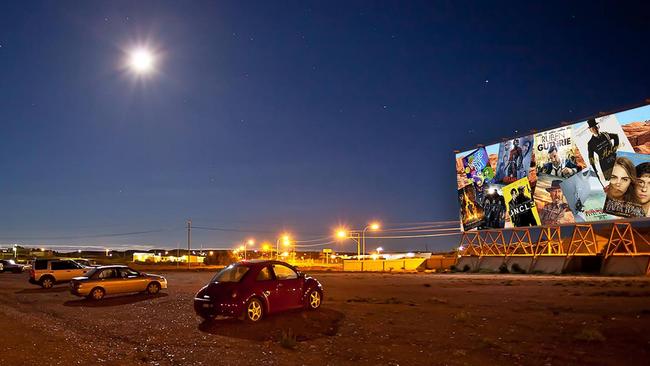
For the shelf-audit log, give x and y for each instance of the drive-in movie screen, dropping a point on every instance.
(593, 170)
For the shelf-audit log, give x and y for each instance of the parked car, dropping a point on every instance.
(48, 272)
(9, 265)
(250, 290)
(85, 262)
(116, 279)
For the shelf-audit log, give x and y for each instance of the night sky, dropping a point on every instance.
(262, 117)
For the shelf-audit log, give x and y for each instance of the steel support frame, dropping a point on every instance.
(583, 241)
(549, 241)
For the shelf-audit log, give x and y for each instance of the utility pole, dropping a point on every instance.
(189, 240)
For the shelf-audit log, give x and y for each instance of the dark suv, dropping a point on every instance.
(8, 265)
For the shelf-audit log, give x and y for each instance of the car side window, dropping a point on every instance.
(127, 272)
(57, 265)
(107, 273)
(69, 265)
(264, 275)
(284, 272)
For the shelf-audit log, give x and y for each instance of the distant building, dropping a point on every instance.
(159, 258)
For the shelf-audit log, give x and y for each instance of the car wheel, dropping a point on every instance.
(254, 311)
(47, 282)
(97, 293)
(153, 288)
(314, 299)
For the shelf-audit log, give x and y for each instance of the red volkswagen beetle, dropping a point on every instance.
(252, 289)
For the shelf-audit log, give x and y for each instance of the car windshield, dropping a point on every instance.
(232, 273)
(90, 273)
(10, 261)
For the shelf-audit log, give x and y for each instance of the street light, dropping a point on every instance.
(250, 242)
(265, 248)
(343, 233)
(374, 226)
(286, 240)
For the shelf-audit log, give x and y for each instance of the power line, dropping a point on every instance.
(109, 235)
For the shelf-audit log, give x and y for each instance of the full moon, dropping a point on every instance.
(141, 61)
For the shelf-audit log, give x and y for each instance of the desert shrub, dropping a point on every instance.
(503, 268)
(590, 334)
(466, 268)
(462, 316)
(453, 268)
(288, 339)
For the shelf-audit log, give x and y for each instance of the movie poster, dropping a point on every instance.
(471, 212)
(626, 192)
(520, 204)
(477, 167)
(585, 196)
(494, 208)
(599, 139)
(551, 204)
(514, 159)
(461, 176)
(556, 153)
(636, 125)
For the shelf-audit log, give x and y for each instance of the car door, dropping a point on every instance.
(288, 286)
(268, 286)
(132, 280)
(109, 280)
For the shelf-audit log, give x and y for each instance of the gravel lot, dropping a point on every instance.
(366, 319)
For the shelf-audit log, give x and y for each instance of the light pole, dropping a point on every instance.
(286, 240)
(250, 242)
(374, 226)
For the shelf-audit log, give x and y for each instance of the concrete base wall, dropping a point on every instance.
(553, 265)
(628, 266)
(524, 263)
(617, 265)
(491, 263)
(471, 262)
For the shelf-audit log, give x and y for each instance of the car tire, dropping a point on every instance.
(314, 299)
(153, 288)
(96, 294)
(207, 317)
(47, 282)
(254, 311)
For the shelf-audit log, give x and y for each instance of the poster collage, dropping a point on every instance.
(594, 170)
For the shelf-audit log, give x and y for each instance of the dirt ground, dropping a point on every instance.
(366, 319)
